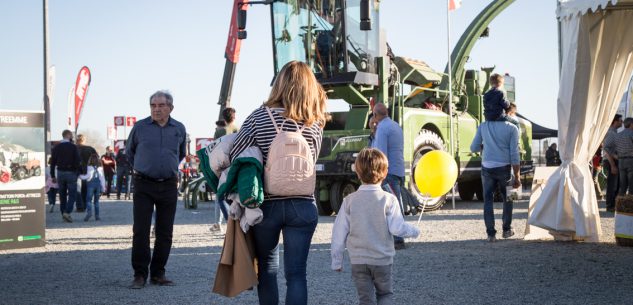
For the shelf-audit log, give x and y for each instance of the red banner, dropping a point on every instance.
(203, 142)
(81, 90)
(233, 44)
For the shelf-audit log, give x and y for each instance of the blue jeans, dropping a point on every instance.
(67, 182)
(93, 191)
(223, 209)
(52, 193)
(393, 184)
(493, 179)
(296, 219)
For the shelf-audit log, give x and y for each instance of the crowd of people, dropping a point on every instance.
(369, 225)
(79, 176)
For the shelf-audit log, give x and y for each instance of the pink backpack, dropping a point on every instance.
(289, 169)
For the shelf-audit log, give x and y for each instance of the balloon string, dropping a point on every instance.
(424, 201)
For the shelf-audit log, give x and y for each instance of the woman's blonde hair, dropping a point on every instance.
(297, 91)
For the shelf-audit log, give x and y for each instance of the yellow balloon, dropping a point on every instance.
(436, 173)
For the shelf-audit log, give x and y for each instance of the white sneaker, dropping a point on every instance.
(215, 228)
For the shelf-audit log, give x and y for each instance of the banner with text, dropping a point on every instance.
(22, 165)
(81, 90)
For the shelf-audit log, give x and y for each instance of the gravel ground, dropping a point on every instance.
(89, 263)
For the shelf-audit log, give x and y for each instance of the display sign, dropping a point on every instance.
(111, 132)
(118, 145)
(22, 165)
(202, 143)
(131, 120)
(119, 121)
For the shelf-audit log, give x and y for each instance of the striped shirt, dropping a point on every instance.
(258, 130)
(624, 144)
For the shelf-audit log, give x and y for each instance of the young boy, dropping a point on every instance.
(495, 102)
(366, 224)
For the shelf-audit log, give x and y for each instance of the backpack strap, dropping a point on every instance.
(279, 128)
(270, 114)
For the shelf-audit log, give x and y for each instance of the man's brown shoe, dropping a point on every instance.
(161, 281)
(138, 282)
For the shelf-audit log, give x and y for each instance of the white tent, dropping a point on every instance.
(596, 63)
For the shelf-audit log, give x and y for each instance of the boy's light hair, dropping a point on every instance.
(496, 79)
(371, 166)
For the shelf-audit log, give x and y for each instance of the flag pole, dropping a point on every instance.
(450, 89)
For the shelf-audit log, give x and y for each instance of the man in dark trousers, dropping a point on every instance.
(85, 151)
(610, 162)
(123, 169)
(65, 159)
(390, 141)
(109, 165)
(155, 147)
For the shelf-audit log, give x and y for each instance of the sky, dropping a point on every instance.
(134, 48)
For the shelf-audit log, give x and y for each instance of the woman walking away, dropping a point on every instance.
(95, 179)
(295, 109)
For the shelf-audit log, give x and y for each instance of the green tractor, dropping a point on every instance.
(342, 43)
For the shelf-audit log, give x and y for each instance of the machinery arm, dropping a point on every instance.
(464, 46)
(232, 55)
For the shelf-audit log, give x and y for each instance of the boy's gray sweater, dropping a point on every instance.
(366, 223)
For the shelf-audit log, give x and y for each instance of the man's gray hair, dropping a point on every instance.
(163, 93)
(628, 122)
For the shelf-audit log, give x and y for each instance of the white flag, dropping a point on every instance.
(454, 4)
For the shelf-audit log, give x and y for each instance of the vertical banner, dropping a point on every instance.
(81, 90)
(71, 93)
(22, 165)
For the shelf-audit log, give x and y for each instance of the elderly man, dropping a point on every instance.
(610, 162)
(390, 141)
(154, 148)
(85, 152)
(624, 150)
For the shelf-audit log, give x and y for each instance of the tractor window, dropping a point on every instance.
(362, 46)
(311, 32)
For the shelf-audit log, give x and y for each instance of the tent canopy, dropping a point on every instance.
(596, 47)
(540, 132)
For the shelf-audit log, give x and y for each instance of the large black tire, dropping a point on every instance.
(466, 191)
(323, 207)
(338, 191)
(425, 142)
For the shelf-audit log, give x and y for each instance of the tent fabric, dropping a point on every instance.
(569, 8)
(597, 60)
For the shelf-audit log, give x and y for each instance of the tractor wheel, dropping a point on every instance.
(323, 207)
(20, 173)
(466, 191)
(338, 191)
(36, 171)
(425, 142)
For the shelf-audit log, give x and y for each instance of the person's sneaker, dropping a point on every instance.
(97, 218)
(87, 217)
(67, 217)
(215, 228)
(492, 239)
(51, 209)
(508, 234)
(399, 245)
(138, 282)
(161, 281)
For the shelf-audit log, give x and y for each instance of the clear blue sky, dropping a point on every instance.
(134, 48)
